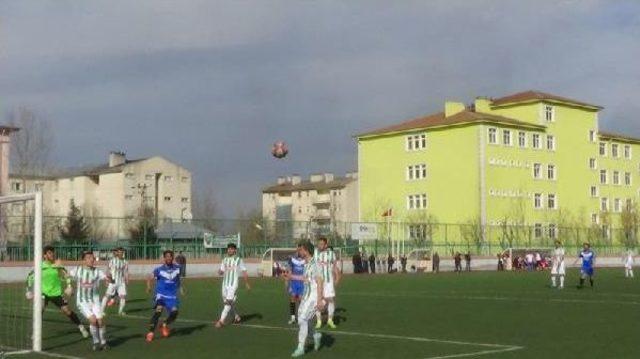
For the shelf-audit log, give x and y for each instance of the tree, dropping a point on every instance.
(75, 228)
(630, 221)
(205, 209)
(144, 229)
(31, 146)
(249, 225)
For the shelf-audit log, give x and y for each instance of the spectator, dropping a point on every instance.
(538, 261)
(467, 259)
(372, 263)
(403, 263)
(356, 263)
(528, 258)
(457, 260)
(436, 262)
(390, 262)
(500, 263)
(182, 261)
(365, 263)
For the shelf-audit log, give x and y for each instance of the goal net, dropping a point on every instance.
(20, 252)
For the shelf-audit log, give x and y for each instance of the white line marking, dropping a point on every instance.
(49, 354)
(474, 354)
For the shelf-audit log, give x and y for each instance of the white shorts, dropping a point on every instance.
(121, 288)
(307, 309)
(558, 268)
(328, 291)
(229, 293)
(90, 309)
(628, 265)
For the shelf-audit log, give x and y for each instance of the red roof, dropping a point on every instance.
(537, 96)
(439, 119)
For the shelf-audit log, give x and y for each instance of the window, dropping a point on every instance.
(551, 172)
(418, 231)
(627, 178)
(416, 142)
(537, 168)
(506, 137)
(535, 141)
(592, 163)
(616, 177)
(148, 177)
(553, 231)
(603, 177)
(552, 201)
(627, 152)
(415, 172)
(592, 136)
(603, 149)
(604, 204)
(551, 143)
(522, 139)
(38, 186)
(493, 137)
(129, 175)
(184, 200)
(168, 178)
(594, 191)
(417, 201)
(128, 197)
(594, 218)
(617, 205)
(629, 204)
(549, 113)
(16, 208)
(184, 179)
(167, 198)
(16, 186)
(614, 150)
(537, 200)
(537, 230)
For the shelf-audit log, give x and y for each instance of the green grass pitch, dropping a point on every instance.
(470, 315)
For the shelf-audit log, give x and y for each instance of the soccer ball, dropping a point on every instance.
(279, 150)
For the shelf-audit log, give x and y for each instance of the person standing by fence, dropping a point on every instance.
(182, 261)
(467, 259)
(372, 263)
(436, 263)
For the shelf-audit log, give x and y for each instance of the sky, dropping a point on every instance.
(212, 84)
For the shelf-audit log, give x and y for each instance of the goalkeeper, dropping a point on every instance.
(52, 276)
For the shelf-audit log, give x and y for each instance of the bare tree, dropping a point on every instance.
(31, 146)
(630, 221)
(205, 208)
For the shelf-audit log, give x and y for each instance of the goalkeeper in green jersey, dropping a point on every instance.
(53, 276)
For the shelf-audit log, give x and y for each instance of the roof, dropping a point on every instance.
(617, 136)
(534, 96)
(439, 120)
(92, 170)
(8, 129)
(339, 182)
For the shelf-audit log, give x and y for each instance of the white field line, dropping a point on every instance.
(49, 354)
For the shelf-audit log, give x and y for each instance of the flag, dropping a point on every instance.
(388, 213)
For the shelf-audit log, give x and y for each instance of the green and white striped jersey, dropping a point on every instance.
(311, 273)
(118, 269)
(325, 261)
(231, 267)
(88, 283)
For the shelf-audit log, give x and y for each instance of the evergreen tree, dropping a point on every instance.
(75, 227)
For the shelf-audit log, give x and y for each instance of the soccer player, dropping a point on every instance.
(168, 284)
(588, 258)
(326, 259)
(231, 267)
(119, 269)
(628, 264)
(294, 283)
(557, 269)
(52, 276)
(312, 299)
(88, 277)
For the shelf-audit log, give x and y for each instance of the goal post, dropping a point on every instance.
(36, 344)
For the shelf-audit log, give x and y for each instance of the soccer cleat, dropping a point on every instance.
(95, 347)
(237, 319)
(111, 302)
(317, 340)
(292, 320)
(104, 347)
(331, 324)
(298, 353)
(149, 337)
(318, 324)
(219, 324)
(83, 331)
(165, 330)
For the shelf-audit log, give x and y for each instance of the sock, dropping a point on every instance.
(318, 316)
(581, 282)
(331, 308)
(591, 281)
(172, 317)
(122, 302)
(553, 280)
(154, 321)
(292, 308)
(103, 334)
(225, 312)
(631, 273)
(74, 318)
(302, 333)
(94, 334)
(561, 281)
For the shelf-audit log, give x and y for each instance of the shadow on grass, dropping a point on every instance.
(249, 317)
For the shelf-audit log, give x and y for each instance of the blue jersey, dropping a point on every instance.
(587, 258)
(167, 281)
(296, 267)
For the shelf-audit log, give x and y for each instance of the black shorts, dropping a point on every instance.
(58, 301)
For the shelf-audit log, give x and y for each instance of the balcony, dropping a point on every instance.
(322, 214)
(322, 198)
